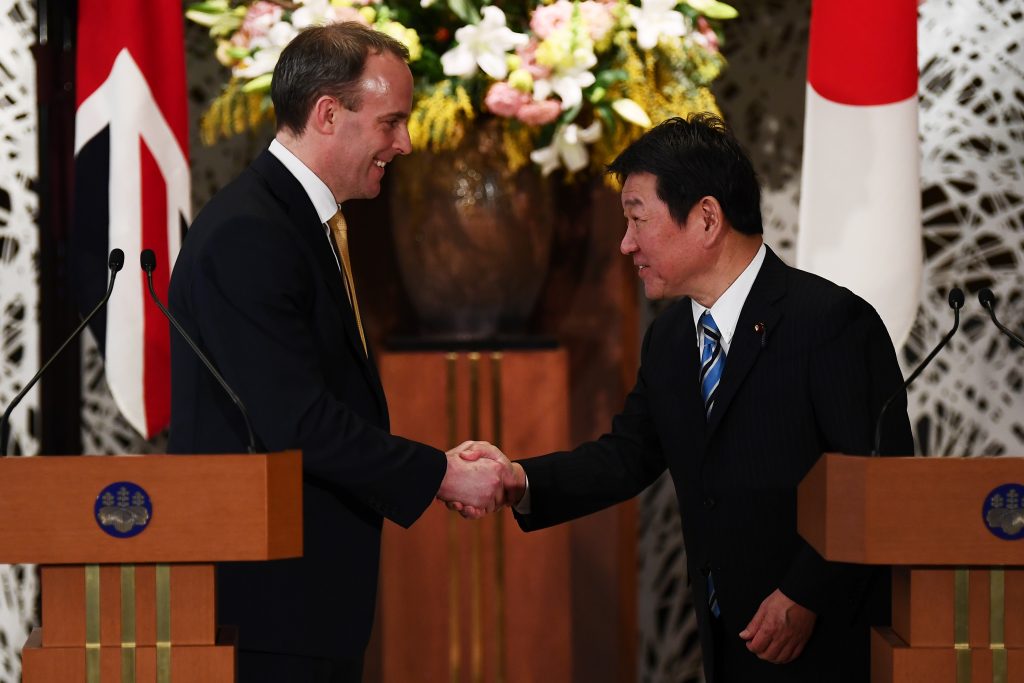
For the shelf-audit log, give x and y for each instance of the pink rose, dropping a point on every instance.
(539, 113)
(706, 35)
(549, 18)
(336, 15)
(504, 100)
(260, 18)
(528, 53)
(597, 16)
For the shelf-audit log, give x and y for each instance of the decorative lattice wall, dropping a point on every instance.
(19, 291)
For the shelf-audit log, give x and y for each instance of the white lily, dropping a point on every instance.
(310, 13)
(568, 147)
(632, 112)
(656, 18)
(484, 45)
(568, 82)
(568, 85)
(268, 50)
(262, 62)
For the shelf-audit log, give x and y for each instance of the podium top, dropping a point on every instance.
(915, 510)
(150, 509)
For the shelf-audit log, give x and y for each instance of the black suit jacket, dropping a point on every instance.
(813, 382)
(258, 287)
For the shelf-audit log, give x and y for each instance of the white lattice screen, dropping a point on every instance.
(19, 291)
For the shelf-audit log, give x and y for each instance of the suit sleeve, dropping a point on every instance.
(599, 474)
(852, 373)
(251, 295)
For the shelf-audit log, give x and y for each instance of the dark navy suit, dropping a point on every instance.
(812, 382)
(258, 287)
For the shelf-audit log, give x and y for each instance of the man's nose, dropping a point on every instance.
(628, 244)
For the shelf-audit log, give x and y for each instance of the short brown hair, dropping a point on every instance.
(325, 60)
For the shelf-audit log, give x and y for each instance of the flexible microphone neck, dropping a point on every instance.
(956, 302)
(148, 261)
(988, 302)
(115, 261)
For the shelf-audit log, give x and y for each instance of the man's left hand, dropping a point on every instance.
(779, 630)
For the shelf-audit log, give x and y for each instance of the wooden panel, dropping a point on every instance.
(922, 607)
(192, 605)
(893, 661)
(476, 601)
(906, 511)
(205, 508)
(590, 303)
(206, 663)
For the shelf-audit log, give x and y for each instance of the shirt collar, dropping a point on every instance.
(726, 311)
(316, 189)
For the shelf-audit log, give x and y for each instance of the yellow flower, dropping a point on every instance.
(521, 79)
(439, 119)
(406, 36)
(555, 51)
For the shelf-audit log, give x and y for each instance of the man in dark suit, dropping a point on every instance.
(264, 286)
(744, 381)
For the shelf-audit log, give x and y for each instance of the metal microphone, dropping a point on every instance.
(148, 261)
(988, 302)
(114, 263)
(956, 302)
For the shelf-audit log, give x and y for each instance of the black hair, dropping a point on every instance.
(694, 158)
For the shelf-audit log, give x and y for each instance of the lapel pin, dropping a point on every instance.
(759, 328)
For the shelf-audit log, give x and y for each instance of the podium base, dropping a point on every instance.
(59, 664)
(894, 661)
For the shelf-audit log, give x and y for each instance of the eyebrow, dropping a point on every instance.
(633, 202)
(403, 115)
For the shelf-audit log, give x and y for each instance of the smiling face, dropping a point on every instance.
(363, 142)
(670, 257)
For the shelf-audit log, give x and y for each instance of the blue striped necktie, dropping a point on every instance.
(712, 361)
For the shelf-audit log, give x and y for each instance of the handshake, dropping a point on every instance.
(480, 480)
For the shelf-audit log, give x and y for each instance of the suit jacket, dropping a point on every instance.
(257, 286)
(812, 382)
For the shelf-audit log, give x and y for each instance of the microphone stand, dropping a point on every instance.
(956, 302)
(114, 262)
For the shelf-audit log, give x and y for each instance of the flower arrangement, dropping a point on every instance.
(572, 82)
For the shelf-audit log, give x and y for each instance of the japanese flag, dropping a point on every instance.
(860, 198)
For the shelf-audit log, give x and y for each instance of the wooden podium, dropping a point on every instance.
(476, 601)
(953, 530)
(126, 545)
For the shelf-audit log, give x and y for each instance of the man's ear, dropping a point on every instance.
(712, 219)
(325, 114)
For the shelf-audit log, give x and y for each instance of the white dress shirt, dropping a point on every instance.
(315, 188)
(726, 311)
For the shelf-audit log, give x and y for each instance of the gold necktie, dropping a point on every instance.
(340, 232)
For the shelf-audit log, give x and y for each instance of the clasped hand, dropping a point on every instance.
(480, 480)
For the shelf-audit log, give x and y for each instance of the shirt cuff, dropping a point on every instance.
(523, 506)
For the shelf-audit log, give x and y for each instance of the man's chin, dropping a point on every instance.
(653, 293)
(372, 190)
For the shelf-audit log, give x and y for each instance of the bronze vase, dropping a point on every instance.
(473, 239)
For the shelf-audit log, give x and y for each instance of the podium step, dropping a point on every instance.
(189, 663)
(894, 661)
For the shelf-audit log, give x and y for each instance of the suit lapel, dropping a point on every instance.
(760, 312)
(309, 230)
